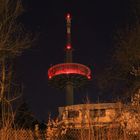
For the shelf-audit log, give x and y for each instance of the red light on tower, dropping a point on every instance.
(89, 77)
(68, 47)
(68, 16)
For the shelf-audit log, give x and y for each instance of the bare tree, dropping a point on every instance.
(13, 41)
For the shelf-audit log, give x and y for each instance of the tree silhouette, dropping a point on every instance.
(24, 118)
(13, 41)
(123, 73)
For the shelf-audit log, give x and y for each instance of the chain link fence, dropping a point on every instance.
(94, 133)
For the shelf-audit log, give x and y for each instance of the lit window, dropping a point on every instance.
(97, 113)
(73, 114)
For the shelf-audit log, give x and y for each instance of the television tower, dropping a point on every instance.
(69, 75)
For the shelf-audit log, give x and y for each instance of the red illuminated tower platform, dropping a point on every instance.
(69, 75)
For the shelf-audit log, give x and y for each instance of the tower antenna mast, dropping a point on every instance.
(68, 45)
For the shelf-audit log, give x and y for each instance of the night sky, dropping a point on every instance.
(94, 24)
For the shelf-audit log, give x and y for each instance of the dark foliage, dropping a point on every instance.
(24, 118)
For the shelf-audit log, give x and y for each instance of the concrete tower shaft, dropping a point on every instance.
(69, 75)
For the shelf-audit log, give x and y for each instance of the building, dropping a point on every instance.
(83, 115)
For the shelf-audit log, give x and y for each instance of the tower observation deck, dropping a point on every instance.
(69, 75)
